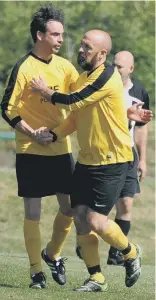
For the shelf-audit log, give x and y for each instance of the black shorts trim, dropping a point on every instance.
(98, 187)
(131, 186)
(40, 176)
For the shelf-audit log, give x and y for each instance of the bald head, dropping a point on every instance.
(124, 60)
(126, 57)
(99, 39)
(95, 45)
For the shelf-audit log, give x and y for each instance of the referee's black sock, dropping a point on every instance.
(125, 227)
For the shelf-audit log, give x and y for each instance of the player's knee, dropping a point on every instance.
(93, 222)
(96, 221)
(66, 210)
(32, 215)
(79, 219)
(65, 205)
(32, 209)
(125, 206)
(80, 223)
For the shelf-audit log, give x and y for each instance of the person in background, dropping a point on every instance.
(134, 92)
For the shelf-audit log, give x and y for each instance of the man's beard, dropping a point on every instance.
(82, 62)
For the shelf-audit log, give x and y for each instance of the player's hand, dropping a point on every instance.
(38, 85)
(138, 114)
(142, 169)
(42, 136)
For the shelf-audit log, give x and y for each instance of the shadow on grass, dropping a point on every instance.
(9, 286)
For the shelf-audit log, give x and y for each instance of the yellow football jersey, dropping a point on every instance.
(99, 116)
(19, 102)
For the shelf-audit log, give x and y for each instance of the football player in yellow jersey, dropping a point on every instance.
(42, 168)
(100, 119)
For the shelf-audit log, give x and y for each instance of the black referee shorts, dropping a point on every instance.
(131, 186)
(40, 176)
(98, 187)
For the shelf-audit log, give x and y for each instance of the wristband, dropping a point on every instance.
(54, 136)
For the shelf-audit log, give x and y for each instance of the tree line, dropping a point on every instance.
(130, 24)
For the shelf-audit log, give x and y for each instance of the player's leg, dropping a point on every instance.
(112, 182)
(123, 212)
(87, 240)
(111, 233)
(61, 227)
(124, 209)
(89, 246)
(63, 220)
(33, 184)
(32, 207)
(106, 183)
(123, 219)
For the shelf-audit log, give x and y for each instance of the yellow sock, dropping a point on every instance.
(114, 236)
(61, 228)
(33, 244)
(92, 234)
(132, 253)
(99, 277)
(89, 248)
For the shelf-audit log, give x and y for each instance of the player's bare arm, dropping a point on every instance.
(140, 136)
(42, 139)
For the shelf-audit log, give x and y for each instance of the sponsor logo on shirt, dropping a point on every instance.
(55, 88)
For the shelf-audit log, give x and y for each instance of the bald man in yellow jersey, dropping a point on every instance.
(42, 168)
(100, 119)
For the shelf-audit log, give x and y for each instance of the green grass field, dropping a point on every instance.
(14, 282)
(14, 279)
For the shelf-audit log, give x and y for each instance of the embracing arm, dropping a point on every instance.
(94, 89)
(89, 93)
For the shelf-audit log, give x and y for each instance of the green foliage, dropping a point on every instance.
(130, 27)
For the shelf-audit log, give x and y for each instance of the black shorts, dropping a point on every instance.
(131, 186)
(98, 187)
(40, 176)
